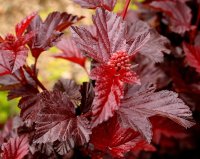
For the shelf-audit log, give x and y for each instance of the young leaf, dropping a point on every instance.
(93, 4)
(178, 12)
(111, 138)
(70, 52)
(108, 93)
(144, 103)
(15, 148)
(57, 121)
(192, 55)
(19, 58)
(108, 42)
(86, 43)
(13, 53)
(49, 31)
(131, 38)
(21, 27)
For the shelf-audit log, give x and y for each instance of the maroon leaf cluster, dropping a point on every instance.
(144, 78)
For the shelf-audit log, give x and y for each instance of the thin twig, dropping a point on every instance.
(125, 8)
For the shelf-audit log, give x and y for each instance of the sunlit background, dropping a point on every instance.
(50, 69)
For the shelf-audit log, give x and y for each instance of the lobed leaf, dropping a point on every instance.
(108, 93)
(144, 103)
(71, 89)
(15, 148)
(49, 31)
(107, 42)
(111, 138)
(151, 44)
(30, 106)
(22, 26)
(178, 12)
(70, 52)
(57, 121)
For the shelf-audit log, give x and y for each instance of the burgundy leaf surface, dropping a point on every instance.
(165, 127)
(19, 84)
(71, 89)
(192, 55)
(15, 148)
(154, 45)
(178, 12)
(22, 26)
(93, 4)
(111, 50)
(49, 31)
(13, 54)
(108, 42)
(57, 121)
(30, 106)
(132, 37)
(87, 93)
(108, 91)
(143, 103)
(110, 137)
(70, 52)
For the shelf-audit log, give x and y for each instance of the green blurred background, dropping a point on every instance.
(50, 69)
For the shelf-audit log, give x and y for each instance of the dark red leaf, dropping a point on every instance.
(93, 4)
(108, 91)
(139, 38)
(22, 90)
(49, 31)
(19, 84)
(57, 121)
(178, 12)
(140, 104)
(71, 89)
(149, 72)
(163, 126)
(108, 42)
(62, 148)
(111, 138)
(30, 106)
(138, 43)
(15, 148)
(87, 93)
(152, 47)
(21, 27)
(87, 43)
(192, 55)
(70, 52)
(19, 58)
(13, 53)
(5, 57)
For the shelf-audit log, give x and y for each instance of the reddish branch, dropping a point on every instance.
(125, 8)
